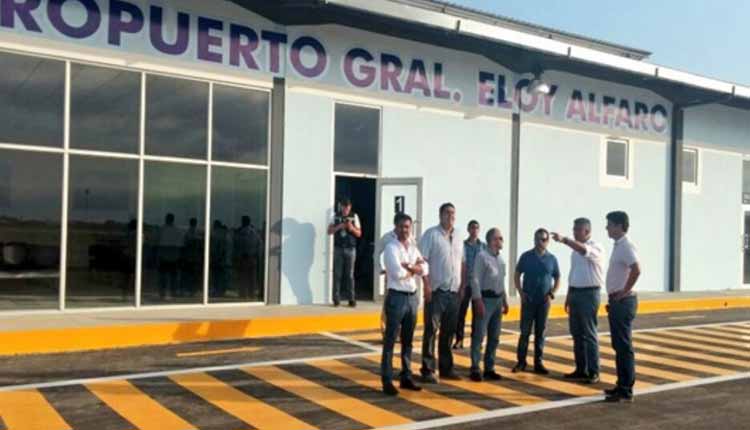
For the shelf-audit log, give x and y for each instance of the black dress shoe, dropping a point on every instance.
(390, 390)
(539, 369)
(408, 384)
(593, 379)
(618, 397)
(475, 376)
(519, 367)
(492, 376)
(611, 391)
(352, 304)
(575, 375)
(429, 378)
(451, 376)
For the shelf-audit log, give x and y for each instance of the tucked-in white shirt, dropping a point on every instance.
(395, 255)
(380, 248)
(587, 270)
(488, 274)
(624, 255)
(445, 253)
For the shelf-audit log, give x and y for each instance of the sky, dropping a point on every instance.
(706, 37)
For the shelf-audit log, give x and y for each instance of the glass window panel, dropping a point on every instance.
(617, 159)
(357, 133)
(102, 232)
(746, 182)
(690, 166)
(238, 233)
(32, 92)
(240, 125)
(30, 211)
(104, 96)
(174, 205)
(176, 117)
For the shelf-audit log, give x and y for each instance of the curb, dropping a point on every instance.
(123, 336)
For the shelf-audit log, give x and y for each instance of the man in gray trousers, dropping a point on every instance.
(584, 296)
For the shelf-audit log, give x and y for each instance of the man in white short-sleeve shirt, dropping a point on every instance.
(623, 273)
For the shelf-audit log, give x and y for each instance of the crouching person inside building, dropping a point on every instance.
(490, 304)
(403, 265)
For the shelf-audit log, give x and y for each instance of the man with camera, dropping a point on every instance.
(345, 229)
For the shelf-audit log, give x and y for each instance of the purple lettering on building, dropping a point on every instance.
(156, 32)
(659, 118)
(275, 40)
(321, 57)
(365, 74)
(502, 93)
(594, 110)
(576, 108)
(417, 79)
(206, 40)
(390, 72)
(623, 115)
(12, 9)
(609, 109)
(243, 42)
(88, 28)
(117, 23)
(486, 89)
(641, 116)
(439, 89)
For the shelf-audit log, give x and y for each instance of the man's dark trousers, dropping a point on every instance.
(440, 314)
(343, 273)
(621, 316)
(583, 321)
(400, 311)
(533, 314)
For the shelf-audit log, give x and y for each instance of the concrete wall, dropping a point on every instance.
(560, 181)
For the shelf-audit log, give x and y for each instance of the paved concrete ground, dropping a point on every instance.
(332, 382)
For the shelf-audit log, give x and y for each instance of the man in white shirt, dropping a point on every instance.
(378, 261)
(444, 251)
(624, 271)
(583, 299)
(403, 265)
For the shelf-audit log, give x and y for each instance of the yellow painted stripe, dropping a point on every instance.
(137, 407)
(217, 352)
(694, 344)
(690, 354)
(29, 410)
(671, 362)
(338, 402)
(718, 333)
(644, 370)
(425, 398)
(235, 402)
(693, 334)
(734, 329)
(495, 391)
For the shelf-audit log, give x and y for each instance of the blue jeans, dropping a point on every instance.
(489, 324)
(400, 312)
(621, 316)
(343, 273)
(583, 321)
(533, 315)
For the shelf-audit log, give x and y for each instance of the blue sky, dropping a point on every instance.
(707, 37)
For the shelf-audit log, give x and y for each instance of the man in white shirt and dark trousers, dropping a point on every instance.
(403, 265)
(444, 251)
(624, 270)
(583, 299)
(490, 304)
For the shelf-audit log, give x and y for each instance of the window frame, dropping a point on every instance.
(615, 181)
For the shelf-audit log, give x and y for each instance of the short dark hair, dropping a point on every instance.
(401, 217)
(445, 206)
(491, 232)
(541, 230)
(471, 223)
(619, 218)
(582, 221)
(345, 201)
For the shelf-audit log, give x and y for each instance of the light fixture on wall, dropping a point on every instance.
(539, 86)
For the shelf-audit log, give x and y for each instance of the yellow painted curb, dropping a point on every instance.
(92, 338)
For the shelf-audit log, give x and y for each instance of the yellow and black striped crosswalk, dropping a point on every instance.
(345, 393)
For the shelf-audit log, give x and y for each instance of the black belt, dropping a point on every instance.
(588, 287)
(392, 291)
(445, 291)
(489, 294)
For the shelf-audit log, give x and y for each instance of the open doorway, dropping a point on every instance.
(361, 192)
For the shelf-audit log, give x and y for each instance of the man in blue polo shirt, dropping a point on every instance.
(541, 279)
